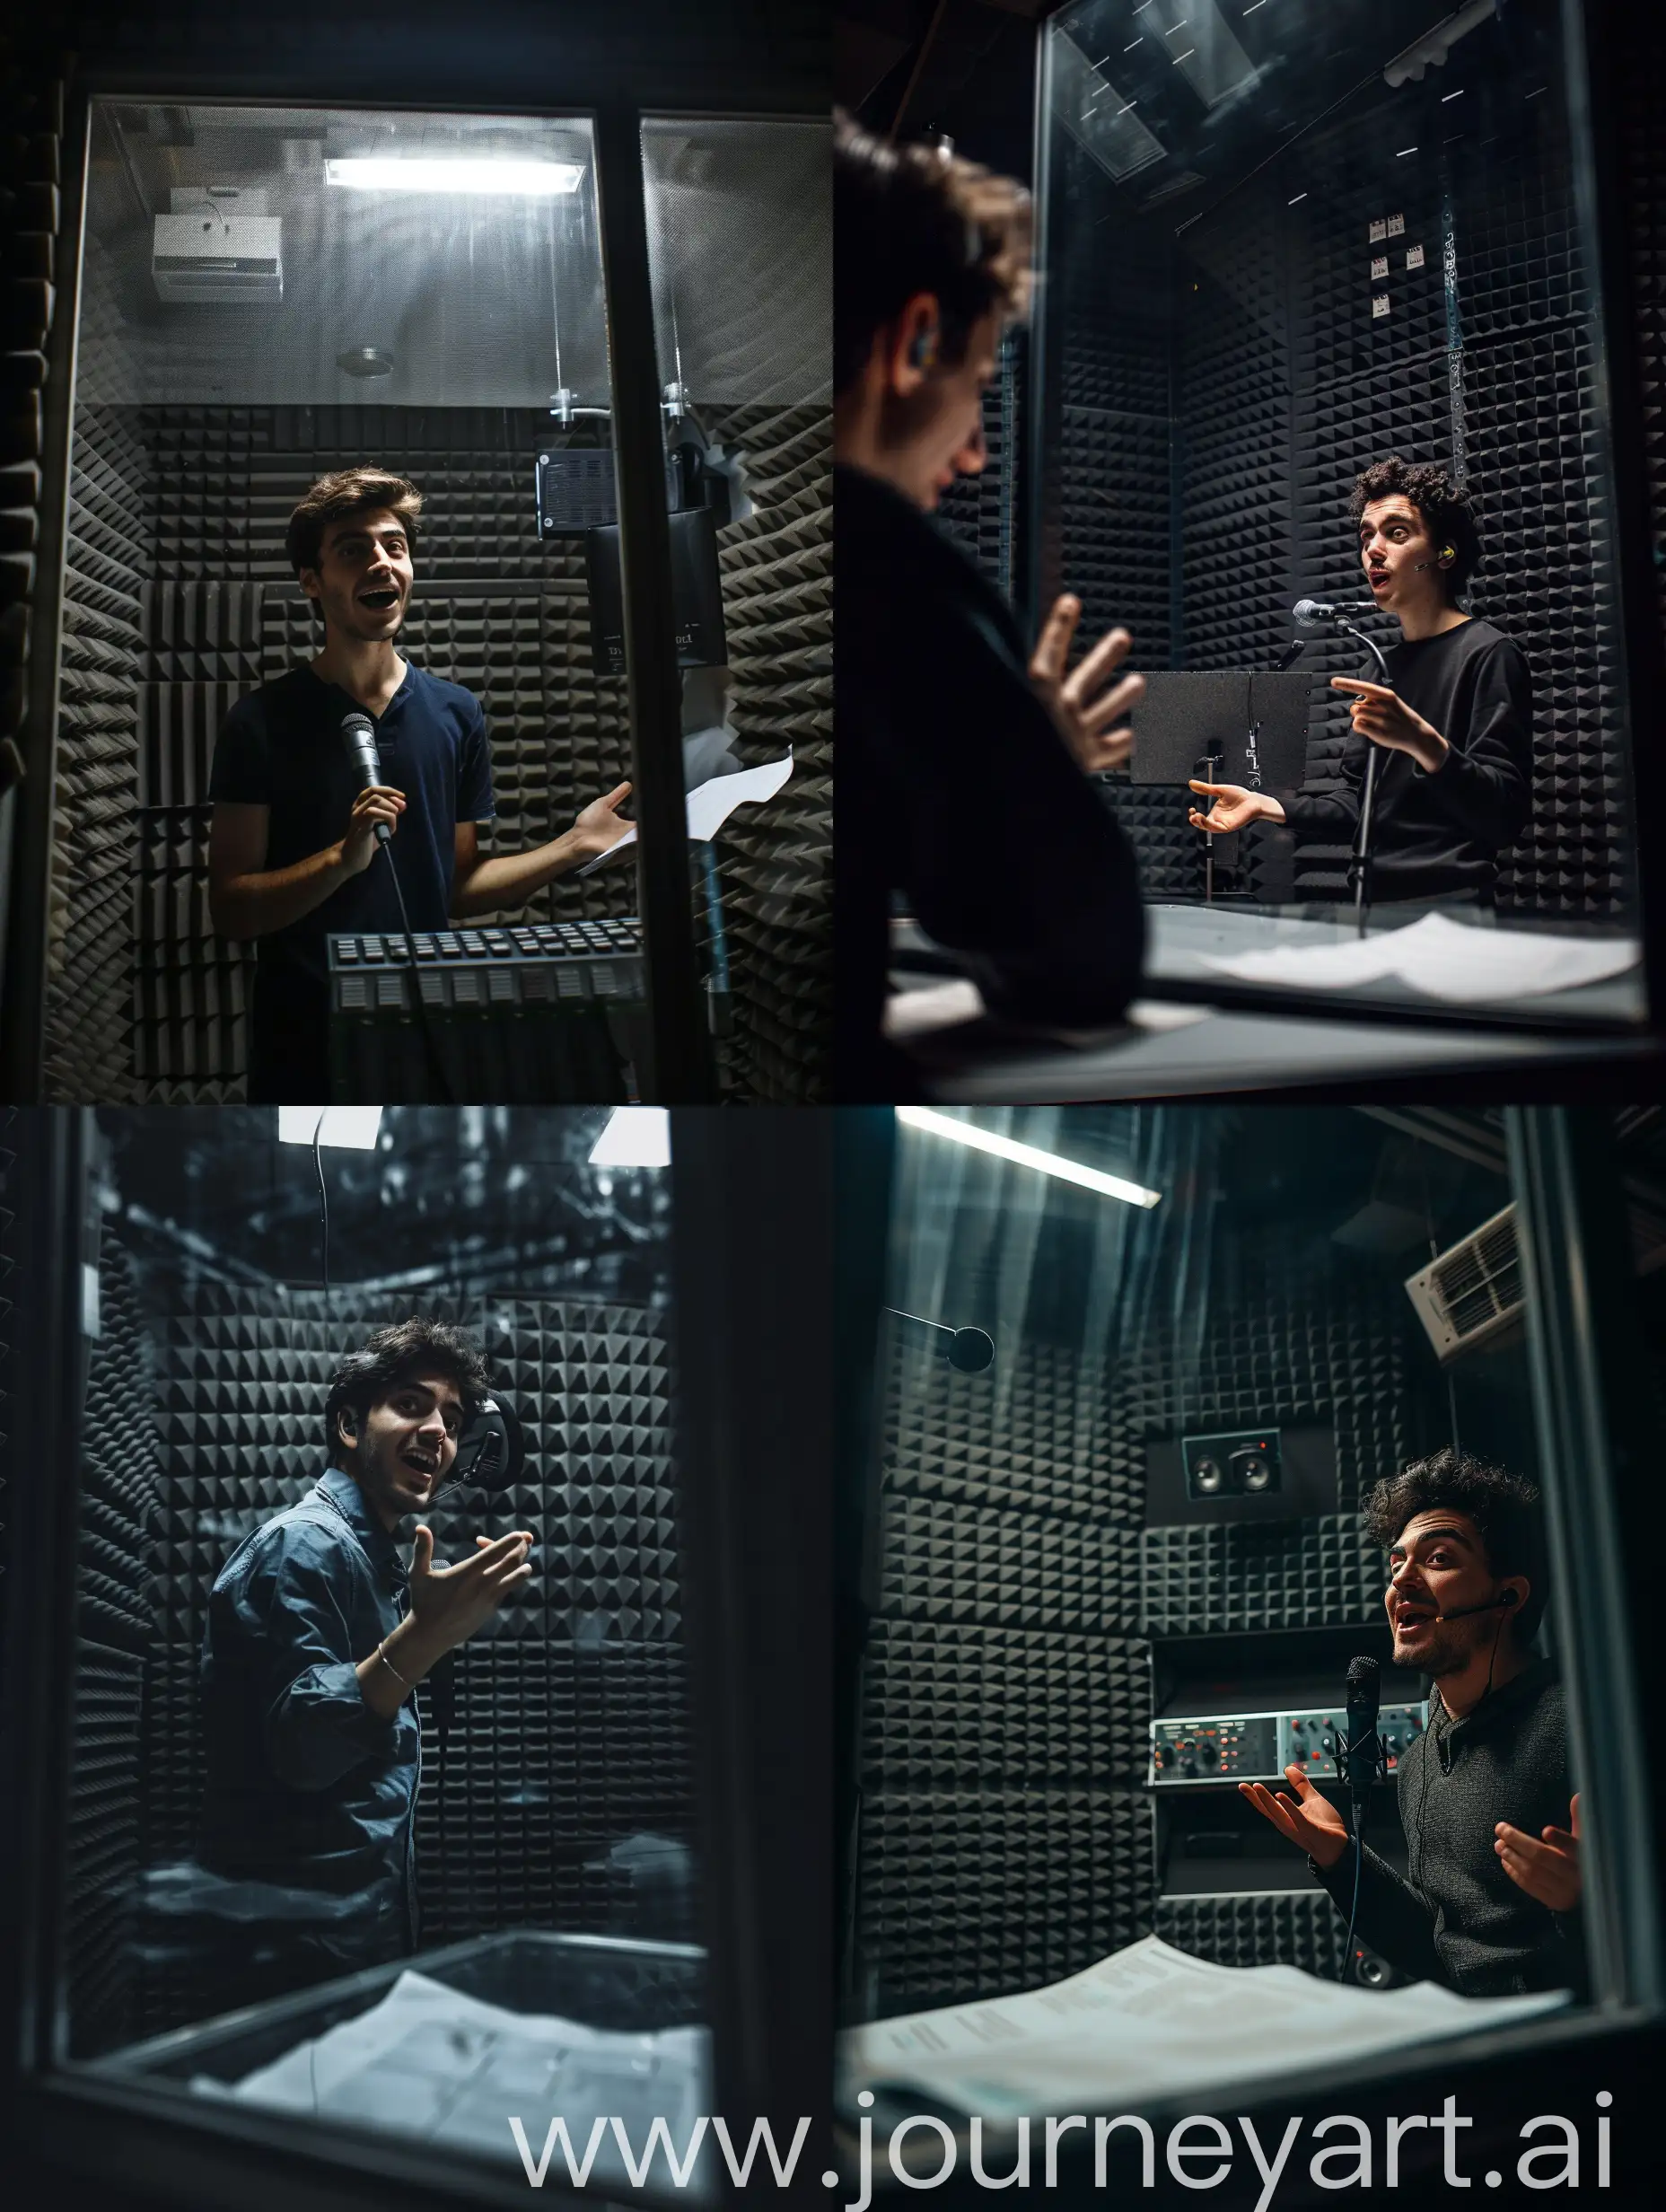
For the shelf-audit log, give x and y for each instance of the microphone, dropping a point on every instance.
(1309, 613)
(1494, 1605)
(969, 1350)
(1361, 1752)
(358, 735)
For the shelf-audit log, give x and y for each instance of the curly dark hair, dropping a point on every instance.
(1503, 1508)
(1442, 503)
(400, 1353)
(910, 219)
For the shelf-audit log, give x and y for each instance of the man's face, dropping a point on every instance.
(942, 426)
(403, 1448)
(362, 581)
(1393, 539)
(1439, 1565)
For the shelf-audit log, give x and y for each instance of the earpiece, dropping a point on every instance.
(1508, 1597)
(923, 352)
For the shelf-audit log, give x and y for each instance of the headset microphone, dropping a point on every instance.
(1494, 1605)
(358, 735)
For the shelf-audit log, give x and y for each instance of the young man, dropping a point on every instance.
(1492, 1835)
(1456, 789)
(962, 771)
(292, 853)
(316, 1641)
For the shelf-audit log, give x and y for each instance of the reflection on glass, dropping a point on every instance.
(1284, 248)
(739, 244)
(1237, 1447)
(271, 293)
(428, 1909)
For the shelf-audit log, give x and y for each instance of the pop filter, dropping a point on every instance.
(491, 1451)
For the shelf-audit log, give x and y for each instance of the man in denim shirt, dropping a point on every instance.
(316, 1641)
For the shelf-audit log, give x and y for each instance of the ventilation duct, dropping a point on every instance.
(1470, 1295)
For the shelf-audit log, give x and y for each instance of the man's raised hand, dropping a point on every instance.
(1082, 708)
(1548, 1869)
(1307, 1819)
(449, 1603)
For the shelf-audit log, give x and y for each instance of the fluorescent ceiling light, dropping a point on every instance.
(634, 1136)
(434, 172)
(1027, 1155)
(351, 1129)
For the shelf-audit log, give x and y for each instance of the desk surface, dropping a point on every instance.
(1183, 939)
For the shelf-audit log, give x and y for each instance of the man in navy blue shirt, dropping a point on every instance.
(316, 1641)
(294, 837)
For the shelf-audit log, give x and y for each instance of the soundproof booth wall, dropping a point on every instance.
(1269, 263)
(455, 340)
(561, 1799)
(1049, 1581)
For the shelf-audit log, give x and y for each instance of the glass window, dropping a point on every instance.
(270, 294)
(1189, 1420)
(739, 225)
(481, 1902)
(1283, 244)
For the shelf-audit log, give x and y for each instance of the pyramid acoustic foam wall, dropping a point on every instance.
(188, 604)
(1262, 1927)
(89, 1009)
(1643, 155)
(979, 511)
(121, 1505)
(775, 862)
(1004, 1699)
(571, 1734)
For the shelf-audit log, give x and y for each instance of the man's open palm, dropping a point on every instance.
(450, 1602)
(1548, 1869)
(1307, 1819)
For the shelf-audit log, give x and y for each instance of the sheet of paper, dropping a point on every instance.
(710, 807)
(1454, 962)
(445, 2067)
(1150, 2021)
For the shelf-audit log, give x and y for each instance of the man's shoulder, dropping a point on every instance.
(306, 1529)
(282, 700)
(451, 702)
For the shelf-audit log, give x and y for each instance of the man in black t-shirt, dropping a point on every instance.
(292, 853)
(964, 772)
(1456, 789)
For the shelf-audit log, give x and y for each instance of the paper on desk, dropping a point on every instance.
(1150, 2021)
(445, 2067)
(1449, 960)
(711, 806)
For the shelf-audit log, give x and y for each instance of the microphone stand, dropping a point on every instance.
(1359, 860)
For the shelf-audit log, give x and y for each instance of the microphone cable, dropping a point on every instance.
(442, 1074)
(323, 1203)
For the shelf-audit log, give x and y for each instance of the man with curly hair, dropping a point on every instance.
(1457, 723)
(317, 1639)
(1489, 1905)
(965, 760)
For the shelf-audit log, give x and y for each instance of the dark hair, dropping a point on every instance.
(342, 492)
(402, 1353)
(1442, 503)
(1503, 1508)
(911, 219)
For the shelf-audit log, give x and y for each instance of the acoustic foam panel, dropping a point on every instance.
(1266, 1927)
(965, 1893)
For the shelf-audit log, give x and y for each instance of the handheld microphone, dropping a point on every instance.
(358, 735)
(1361, 1752)
(1309, 613)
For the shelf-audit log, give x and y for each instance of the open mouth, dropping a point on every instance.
(424, 1463)
(1377, 576)
(380, 599)
(1410, 1618)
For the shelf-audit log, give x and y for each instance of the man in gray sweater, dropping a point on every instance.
(1491, 1907)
